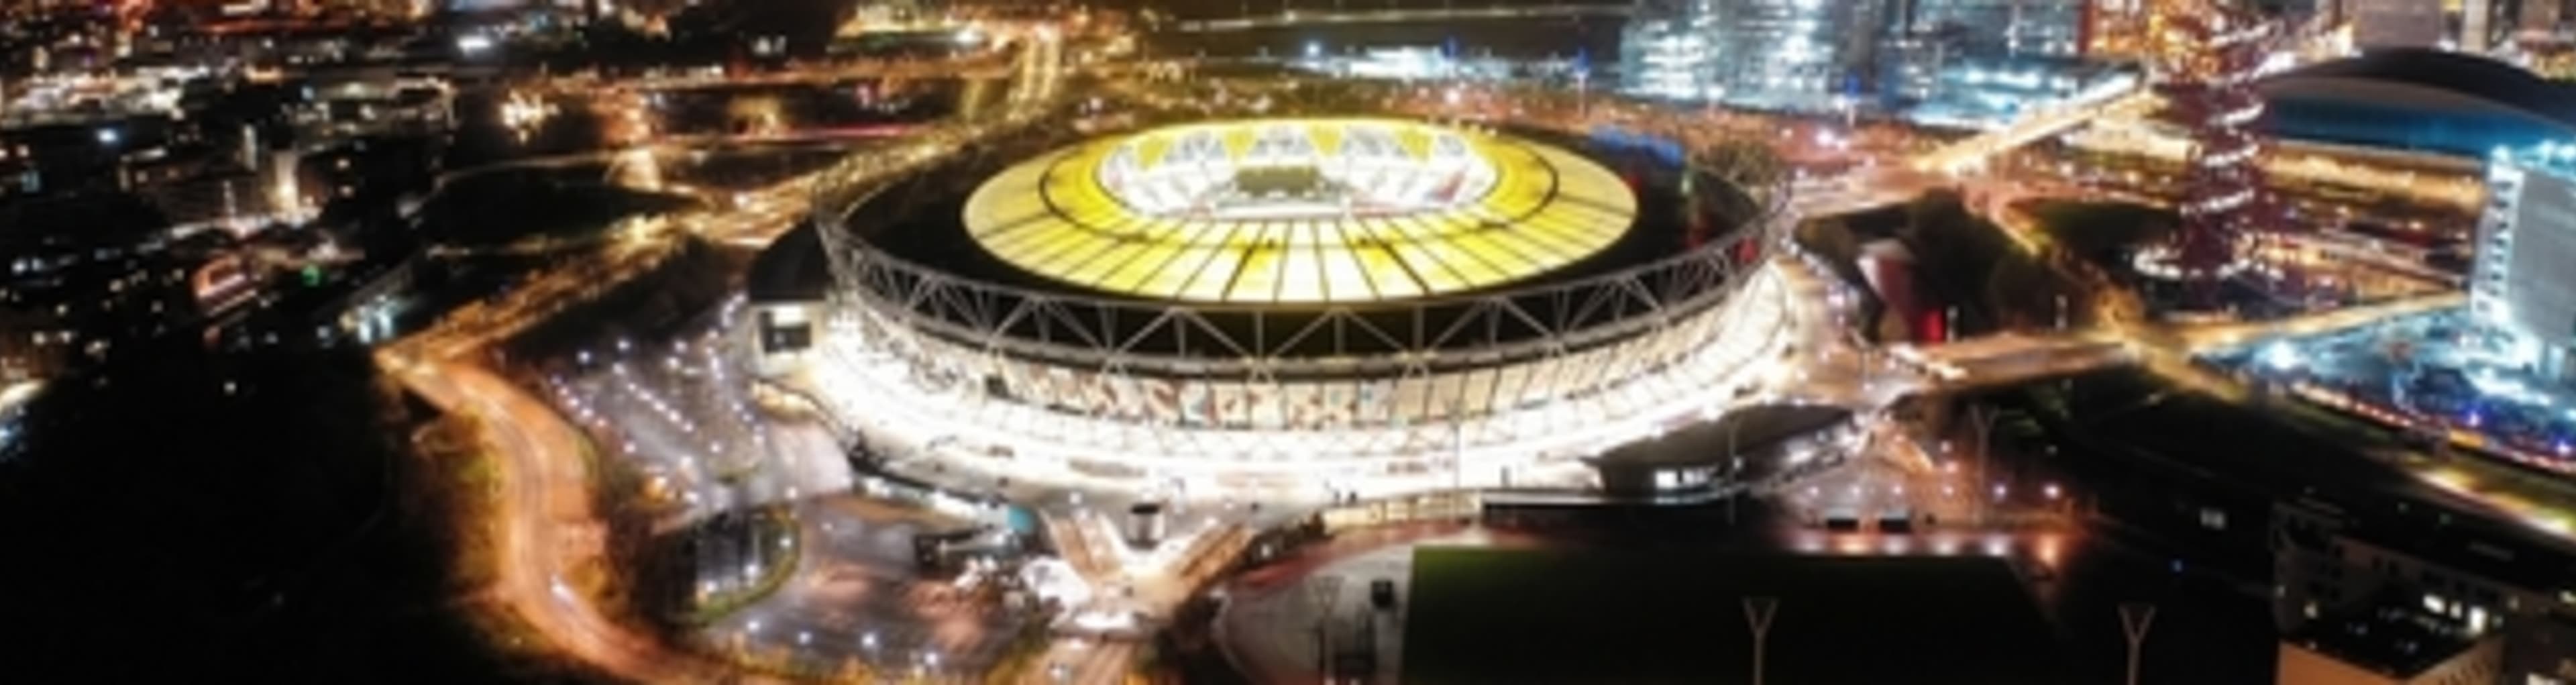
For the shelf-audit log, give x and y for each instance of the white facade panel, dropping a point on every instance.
(2524, 285)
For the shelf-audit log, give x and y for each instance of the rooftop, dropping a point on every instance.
(2420, 99)
(2435, 71)
(1489, 616)
(2391, 638)
(2553, 157)
(1300, 211)
(792, 269)
(2490, 549)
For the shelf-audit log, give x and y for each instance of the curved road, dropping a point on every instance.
(545, 528)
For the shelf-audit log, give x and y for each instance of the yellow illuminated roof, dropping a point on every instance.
(1299, 211)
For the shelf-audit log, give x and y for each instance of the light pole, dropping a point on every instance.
(1321, 597)
(1757, 615)
(2135, 619)
(1735, 471)
(1582, 96)
(1457, 447)
(1985, 420)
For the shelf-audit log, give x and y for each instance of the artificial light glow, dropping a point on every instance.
(2282, 356)
(1288, 211)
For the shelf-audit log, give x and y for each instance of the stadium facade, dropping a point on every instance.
(1293, 302)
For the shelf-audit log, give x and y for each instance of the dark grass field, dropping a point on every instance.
(1535, 616)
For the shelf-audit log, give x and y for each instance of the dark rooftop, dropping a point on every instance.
(2431, 77)
(790, 270)
(1488, 616)
(2497, 550)
(2391, 638)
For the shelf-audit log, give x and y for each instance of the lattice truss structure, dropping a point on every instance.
(2208, 55)
(1126, 386)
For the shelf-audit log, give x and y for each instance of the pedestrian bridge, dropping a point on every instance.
(2011, 358)
(1971, 152)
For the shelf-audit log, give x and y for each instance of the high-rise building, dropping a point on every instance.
(2002, 28)
(1778, 54)
(1665, 53)
(2487, 25)
(2395, 23)
(1818, 54)
(1946, 49)
(2521, 290)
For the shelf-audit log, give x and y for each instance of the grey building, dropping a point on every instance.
(2488, 604)
(2521, 290)
(2395, 23)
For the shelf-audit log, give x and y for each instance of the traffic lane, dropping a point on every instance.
(526, 580)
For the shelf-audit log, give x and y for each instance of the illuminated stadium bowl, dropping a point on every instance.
(1332, 210)
(1293, 302)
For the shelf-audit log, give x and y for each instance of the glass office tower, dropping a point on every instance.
(1769, 54)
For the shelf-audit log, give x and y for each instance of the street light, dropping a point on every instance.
(1759, 610)
(1985, 429)
(2135, 619)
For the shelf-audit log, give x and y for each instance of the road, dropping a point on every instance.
(1969, 153)
(2010, 358)
(819, 74)
(546, 529)
(2439, 181)
(830, 137)
(547, 534)
(1331, 17)
(2213, 338)
(2126, 111)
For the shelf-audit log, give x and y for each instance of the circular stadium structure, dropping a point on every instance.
(1375, 303)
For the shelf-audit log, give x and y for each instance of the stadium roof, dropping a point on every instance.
(1300, 211)
(2431, 78)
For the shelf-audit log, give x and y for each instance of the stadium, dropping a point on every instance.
(1373, 303)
